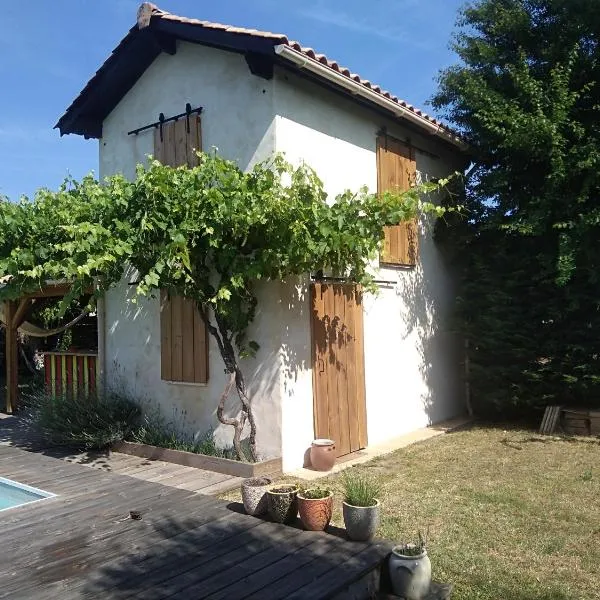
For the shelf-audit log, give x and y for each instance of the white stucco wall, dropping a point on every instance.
(411, 370)
(238, 119)
(411, 366)
(237, 115)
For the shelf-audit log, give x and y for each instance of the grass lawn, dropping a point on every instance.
(511, 515)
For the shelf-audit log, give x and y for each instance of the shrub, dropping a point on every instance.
(92, 422)
(154, 431)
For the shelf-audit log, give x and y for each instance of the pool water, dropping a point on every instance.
(16, 494)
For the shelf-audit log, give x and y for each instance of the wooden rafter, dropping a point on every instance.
(21, 312)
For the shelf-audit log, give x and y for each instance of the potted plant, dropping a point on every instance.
(315, 506)
(282, 503)
(410, 570)
(360, 505)
(254, 495)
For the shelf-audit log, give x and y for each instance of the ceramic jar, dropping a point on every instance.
(410, 575)
(254, 495)
(361, 521)
(322, 455)
(315, 513)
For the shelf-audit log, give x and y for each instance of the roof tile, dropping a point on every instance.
(309, 52)
(149, 11)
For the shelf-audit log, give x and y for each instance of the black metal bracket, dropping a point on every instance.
(320, 277)
(189, 111)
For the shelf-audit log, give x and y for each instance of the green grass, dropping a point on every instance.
(510, 515)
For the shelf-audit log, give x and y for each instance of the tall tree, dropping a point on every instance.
(526, 94)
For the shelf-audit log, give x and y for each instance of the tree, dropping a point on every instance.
(208, 233)
(526, 95)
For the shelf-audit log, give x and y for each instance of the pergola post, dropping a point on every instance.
(11, 357)
(16, 312)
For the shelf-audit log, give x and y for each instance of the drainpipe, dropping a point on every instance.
(358, 89)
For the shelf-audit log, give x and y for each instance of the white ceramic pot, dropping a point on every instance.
(410, 575)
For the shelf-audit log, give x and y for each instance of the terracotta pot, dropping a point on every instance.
(361, 521)
(254, 495)
(315, 513)
(322, 455)
(410, 575)
(283, 503)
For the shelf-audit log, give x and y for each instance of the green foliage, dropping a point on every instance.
(209, 232)
(360, 489)
(315, 493)
(92, 422)
(154, 431)
(527, 96)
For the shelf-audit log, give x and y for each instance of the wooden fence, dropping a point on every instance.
(71, 372)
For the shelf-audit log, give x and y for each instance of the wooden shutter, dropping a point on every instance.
(183, 334)
(178, 145)
(183, 341)
(396, 170)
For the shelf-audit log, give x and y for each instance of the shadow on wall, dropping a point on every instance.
(428, 293)
(295, 337)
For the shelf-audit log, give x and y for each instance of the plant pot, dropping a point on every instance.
(322, 455)
(254, 495)
(361, 521)
(283, 503)
(410, 575)
(315, 513)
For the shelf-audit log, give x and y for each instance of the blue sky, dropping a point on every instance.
(49, 50)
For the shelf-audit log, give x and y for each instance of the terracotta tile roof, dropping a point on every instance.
(78, 115)
(147, 10)
(280, 38)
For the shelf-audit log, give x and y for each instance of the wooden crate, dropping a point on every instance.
(581, 421)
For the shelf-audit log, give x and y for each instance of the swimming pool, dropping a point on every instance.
(13, 494)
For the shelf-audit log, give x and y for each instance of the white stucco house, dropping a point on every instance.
(332, 363)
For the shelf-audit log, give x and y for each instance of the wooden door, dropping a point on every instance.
(340, 412)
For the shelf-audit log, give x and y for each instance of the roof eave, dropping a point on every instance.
(302, 61)
(149, 42)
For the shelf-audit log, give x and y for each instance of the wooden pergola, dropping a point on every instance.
(15, 315)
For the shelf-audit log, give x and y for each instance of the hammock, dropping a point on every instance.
(34, 331)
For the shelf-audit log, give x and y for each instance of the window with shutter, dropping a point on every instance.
(396, 170)
(183, 334)
(183, 341)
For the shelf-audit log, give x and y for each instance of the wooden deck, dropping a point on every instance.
(15, 432)
(82, 544)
